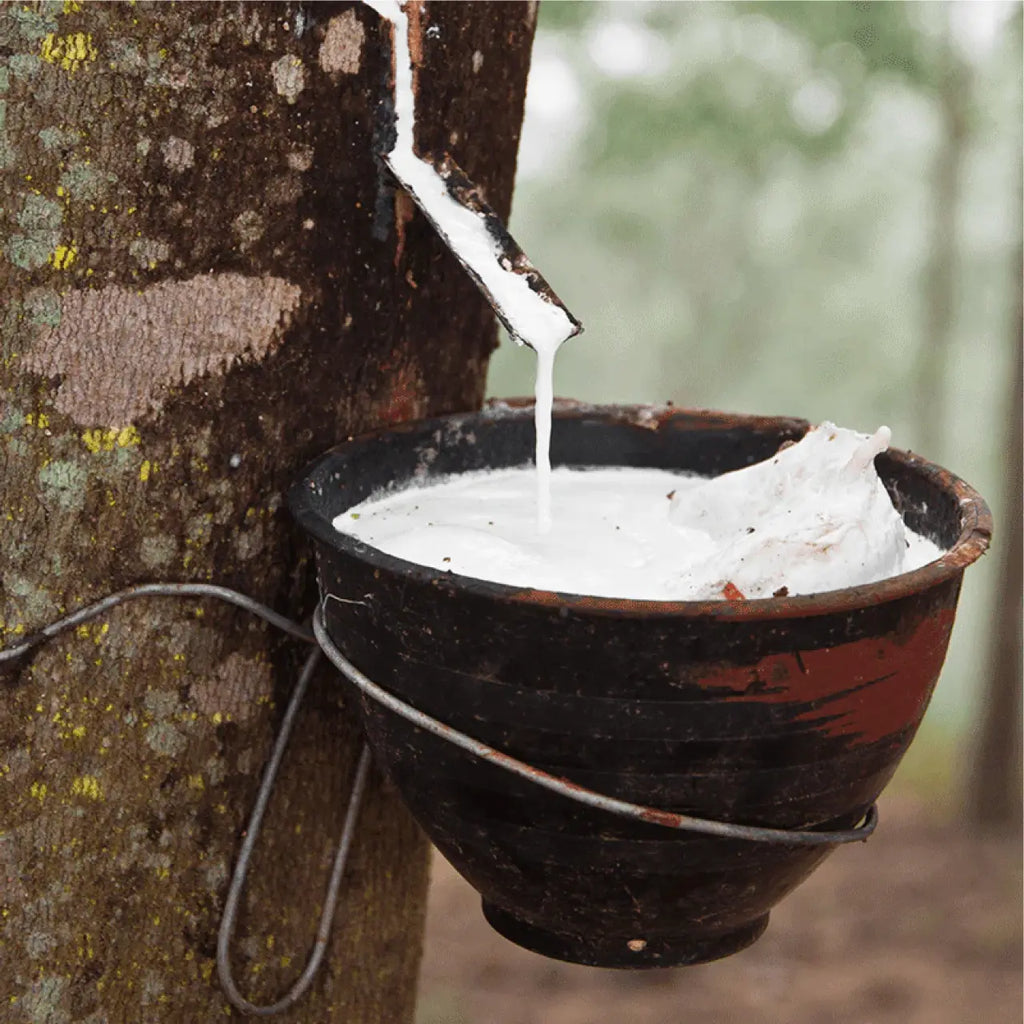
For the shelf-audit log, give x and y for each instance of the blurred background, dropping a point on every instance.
(809, 209)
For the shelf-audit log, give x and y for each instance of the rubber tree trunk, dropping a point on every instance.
(939, 282)
(994, 796)
(206, 281)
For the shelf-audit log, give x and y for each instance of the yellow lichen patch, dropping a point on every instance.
(96, 632)
(40, 420)
(72, 7)
(98, 440)
(95, 440)
(68, 52)
(67, 731)
(145, 469)
(63, 256)
(87, 786)
(196, 782)
(37, 791)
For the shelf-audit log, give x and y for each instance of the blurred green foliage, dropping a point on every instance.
(744, 217)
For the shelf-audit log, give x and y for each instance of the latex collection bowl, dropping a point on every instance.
(789, 713)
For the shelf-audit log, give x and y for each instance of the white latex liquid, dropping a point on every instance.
(543, 401)
(539, 323)
(814, 518)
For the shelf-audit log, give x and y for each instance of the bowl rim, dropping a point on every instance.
(971, 544)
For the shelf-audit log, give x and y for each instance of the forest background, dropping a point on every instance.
(808, 209)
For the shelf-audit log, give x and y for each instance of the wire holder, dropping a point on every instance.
(324, 645)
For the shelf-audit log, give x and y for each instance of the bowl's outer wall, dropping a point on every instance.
(787, 722)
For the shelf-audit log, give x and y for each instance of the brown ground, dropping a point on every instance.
(921, 925)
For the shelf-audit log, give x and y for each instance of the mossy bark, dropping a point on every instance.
(207, 280)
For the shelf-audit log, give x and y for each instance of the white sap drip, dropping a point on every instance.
(533, 319)
(813, 518)
(543, 401)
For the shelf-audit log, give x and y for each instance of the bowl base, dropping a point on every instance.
(632, 951)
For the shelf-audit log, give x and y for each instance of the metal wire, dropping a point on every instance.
(97, 608)
(318, 635)
(227, 922)
(623, 808)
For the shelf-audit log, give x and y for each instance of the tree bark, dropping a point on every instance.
(208, 279)
(994, 796)
(940, 272)
(995, 785)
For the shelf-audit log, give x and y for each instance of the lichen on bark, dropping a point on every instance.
(203, 288)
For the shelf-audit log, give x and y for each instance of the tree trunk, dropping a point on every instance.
(940, 273)
(208, 280)
(994, 798)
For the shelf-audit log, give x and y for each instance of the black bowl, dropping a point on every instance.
(787, 713)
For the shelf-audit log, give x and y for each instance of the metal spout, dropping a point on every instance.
(511, 258)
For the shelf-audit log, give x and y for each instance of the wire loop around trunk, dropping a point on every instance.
(325, 645)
